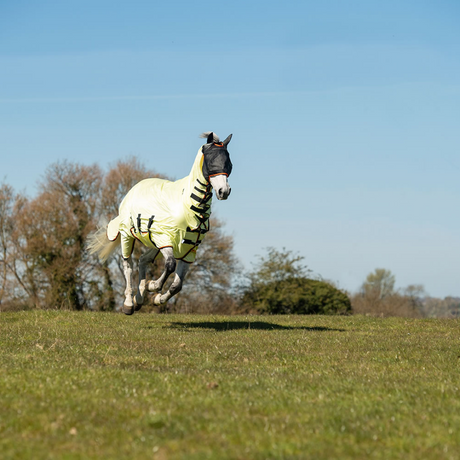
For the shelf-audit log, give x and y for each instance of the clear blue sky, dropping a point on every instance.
(345, 115)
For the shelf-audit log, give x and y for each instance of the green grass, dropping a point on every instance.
(99, 385)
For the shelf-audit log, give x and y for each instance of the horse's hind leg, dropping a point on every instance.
(176, 286)
(170, 267)
(144, 260)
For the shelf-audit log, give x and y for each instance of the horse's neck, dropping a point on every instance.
(197, 194)
(196, 173)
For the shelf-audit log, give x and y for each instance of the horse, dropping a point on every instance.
(171, 217)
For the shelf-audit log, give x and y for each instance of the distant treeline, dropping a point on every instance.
(378, 296)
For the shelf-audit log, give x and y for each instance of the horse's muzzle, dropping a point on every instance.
(223, 194)
(221, 186)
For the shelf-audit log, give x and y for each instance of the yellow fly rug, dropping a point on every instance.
(160, 213)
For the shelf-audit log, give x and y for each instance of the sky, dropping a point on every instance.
(345, 117)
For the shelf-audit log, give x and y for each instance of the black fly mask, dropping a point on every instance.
(216, 157)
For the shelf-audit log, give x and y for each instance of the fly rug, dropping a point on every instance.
(167, 217)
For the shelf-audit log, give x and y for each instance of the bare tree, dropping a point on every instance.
(381, 282)
(449, 307)
(51, 231)
(378, 297)
(6, 230)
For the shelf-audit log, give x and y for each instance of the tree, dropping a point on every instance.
(51, 232)
(280, 284)
(414, 294)
(7, 200)
(17, 285)
(380, 283)
(449, 307)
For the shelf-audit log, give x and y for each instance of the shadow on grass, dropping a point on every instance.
(237, 325)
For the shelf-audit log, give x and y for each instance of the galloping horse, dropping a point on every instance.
(167, 217)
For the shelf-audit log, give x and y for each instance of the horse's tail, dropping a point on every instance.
(99, 243)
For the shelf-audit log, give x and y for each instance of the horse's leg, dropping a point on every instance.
(128, 307)
(170, 266)
(176, 286)
(144, 260)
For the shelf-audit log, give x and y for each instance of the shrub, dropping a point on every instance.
(297, 295)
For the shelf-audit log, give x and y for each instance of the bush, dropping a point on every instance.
(296, 295)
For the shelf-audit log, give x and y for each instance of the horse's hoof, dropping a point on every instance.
(157, 299)
(128, 310)
(137, 305)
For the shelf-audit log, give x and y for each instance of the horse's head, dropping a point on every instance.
(216, 164)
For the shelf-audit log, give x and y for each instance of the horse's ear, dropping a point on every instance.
(229, 138)
(210, 137)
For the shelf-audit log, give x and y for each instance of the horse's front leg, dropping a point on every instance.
(176, 286)
(144, 260)
(170, 267)
(128, 306)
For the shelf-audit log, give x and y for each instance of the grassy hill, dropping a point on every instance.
(81, 385)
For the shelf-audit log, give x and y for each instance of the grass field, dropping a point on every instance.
(99, 385)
